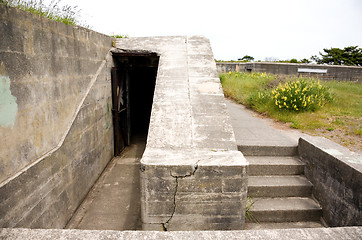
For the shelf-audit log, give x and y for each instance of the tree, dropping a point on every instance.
(246, 58)
(304, 60)
(351, 56)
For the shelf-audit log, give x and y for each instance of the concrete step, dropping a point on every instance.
(292, 209)
(288, 150)
(284, 225)
(279, 186)
(274, 165)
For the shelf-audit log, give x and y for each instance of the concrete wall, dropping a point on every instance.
(348, 73)
(193, 177)
(56, 123)
(336, 174)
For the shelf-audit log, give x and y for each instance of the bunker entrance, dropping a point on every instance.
(133, 84)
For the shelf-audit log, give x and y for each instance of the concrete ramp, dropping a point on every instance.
(193, 177)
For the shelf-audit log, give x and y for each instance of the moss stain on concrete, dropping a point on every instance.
(8, 105)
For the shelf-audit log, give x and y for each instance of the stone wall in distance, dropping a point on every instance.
(343, 73)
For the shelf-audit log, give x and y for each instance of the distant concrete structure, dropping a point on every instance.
(327, 72)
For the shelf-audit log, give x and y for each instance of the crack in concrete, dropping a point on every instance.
(164, 225)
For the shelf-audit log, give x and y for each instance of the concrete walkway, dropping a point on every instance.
(336, 233)
(253, 131)
(114, 203)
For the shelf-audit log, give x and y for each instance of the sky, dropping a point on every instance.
(263, 29)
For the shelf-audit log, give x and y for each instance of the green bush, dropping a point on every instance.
(119, 36)
(301, 95)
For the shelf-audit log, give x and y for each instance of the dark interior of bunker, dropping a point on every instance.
(133, 84)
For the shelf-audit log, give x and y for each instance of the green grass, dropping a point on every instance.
(249, 203)
(255, 91)
(69, 15)
(119, 35)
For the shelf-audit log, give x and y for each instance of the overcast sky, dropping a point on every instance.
(281, 29)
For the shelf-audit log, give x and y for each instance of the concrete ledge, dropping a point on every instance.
(277, 234)
(336, 174)
(262, 150)
(193, 190)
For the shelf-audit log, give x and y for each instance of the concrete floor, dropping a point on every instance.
(114, 201)
(251, 130)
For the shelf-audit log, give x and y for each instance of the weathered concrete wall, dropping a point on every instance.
(336, 174)
(193, 177)
(348, 73)
(56, 122)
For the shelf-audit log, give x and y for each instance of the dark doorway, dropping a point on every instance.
(133, 84)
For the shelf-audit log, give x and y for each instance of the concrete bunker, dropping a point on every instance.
(192, 175)
(43, 186)
(133, 84)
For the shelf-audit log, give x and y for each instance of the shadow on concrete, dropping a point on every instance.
(114, 203)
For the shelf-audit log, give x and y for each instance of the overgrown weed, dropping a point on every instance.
(248, 215)
(67, 14)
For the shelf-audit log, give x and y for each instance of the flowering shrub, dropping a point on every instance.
(258, 97)
(301, 95)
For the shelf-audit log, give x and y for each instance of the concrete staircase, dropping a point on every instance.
(279, 193)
